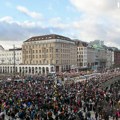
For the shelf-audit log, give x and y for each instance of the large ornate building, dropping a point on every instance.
(50, 49)
(40, 55)
(56, 53)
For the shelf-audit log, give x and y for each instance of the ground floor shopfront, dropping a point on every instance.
(27, 69)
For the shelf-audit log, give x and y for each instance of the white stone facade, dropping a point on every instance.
(110, 59)
(27, 69)
(7, 56)
(82, 56)
(113, 58)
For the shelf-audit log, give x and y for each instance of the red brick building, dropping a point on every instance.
(117, 58)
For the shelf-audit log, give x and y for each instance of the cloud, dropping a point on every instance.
(93, 7)
(29, 13)
(99, 20)
(57, 22)
(6, 19)
(15, 30)
(12, 31)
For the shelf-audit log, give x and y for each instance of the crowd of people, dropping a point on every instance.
(43, 98)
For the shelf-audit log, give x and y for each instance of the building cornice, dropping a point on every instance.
(48, 37)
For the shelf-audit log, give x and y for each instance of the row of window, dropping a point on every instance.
(82, 64)
(46, 51)
(81, 56)
(47, 62)
(81, 59)
(39, 62)
(48, 56)
(9, 59)
(8, 54)
(37, 45)
(81, 48)
(37, 56)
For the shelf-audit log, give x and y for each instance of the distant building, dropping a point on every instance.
(97, 42)
(10, 62)
(91, 57)
(113, 60)
(55, 53)
(40, 55)
(117, 58)
(7, 56)
(100, 54)
(50, 49)
(81, 54)
(109, 57)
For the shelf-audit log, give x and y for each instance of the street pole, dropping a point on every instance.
(14, 62)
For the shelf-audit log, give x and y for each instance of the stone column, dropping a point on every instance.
(18, 69)
(45, 70)
(41, 70)
(49, 69)
(34, 70)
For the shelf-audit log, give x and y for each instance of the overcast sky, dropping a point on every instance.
(86, 20)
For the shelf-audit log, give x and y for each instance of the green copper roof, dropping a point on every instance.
(98, 46)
